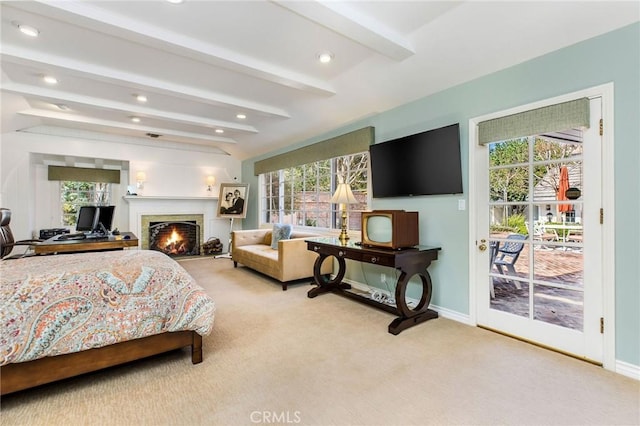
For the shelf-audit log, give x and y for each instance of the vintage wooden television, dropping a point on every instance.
(392, 229)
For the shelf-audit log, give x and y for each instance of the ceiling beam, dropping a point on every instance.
(346, 21)
(65, 132)
(93, 72)
(99, 19)
(55, 97)
(64, 117)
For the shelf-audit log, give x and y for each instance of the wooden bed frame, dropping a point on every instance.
(24, 375)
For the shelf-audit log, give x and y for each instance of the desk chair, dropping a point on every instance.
(7, 242)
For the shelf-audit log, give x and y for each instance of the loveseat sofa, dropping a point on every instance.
(291, 261)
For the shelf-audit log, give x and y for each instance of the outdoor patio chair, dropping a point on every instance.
(506, 257)
(540, 232)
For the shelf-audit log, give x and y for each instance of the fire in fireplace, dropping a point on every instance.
(175, 238)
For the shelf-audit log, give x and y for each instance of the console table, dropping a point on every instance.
(410, 261)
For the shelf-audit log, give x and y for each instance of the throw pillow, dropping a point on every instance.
(267, 238)
(280, 232)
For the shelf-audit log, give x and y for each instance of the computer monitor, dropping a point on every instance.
(87, 219)
(105, 218)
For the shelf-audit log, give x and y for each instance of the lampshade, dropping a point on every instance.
(343, 195)
(140, 178)
(211, 180)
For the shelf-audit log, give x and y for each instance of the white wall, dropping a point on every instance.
(34, 200)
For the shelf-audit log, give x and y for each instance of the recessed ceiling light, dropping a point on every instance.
(135, 119)
(175, 1)
(50, 79)
(241, 116)
(325, 57)
(29, 30)
(141, 98)
(219, 131)
(26, 29)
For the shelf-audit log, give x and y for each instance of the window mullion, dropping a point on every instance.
(313, 207)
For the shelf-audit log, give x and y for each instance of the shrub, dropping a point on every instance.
(516, 222)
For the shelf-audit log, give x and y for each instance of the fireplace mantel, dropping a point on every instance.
(143, 205)
(130, 198)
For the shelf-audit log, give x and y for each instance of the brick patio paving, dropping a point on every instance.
(554, 305)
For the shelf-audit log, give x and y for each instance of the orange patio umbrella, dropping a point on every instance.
(563, 185)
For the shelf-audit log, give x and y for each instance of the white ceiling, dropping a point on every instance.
(200, 63)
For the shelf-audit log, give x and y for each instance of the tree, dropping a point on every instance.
(77, 194)
(546, 150)
(303, 192)
(352, 169)
(509, 184)
(509, 174)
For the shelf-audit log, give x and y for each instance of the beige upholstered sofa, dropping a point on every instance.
(291, 261)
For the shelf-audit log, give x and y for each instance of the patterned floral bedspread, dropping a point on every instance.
(52, 305)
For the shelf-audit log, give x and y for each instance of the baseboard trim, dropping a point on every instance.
(443, 312)
(628, 370)
(624, 368)
(452, 315)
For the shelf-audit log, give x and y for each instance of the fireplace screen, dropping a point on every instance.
(175, 238)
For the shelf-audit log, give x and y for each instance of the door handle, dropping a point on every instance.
(482, 246)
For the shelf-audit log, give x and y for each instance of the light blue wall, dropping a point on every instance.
(613, 57)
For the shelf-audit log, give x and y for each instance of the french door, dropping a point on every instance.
(537, 261)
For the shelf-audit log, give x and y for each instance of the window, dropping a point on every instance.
(570, 216)
(73, 195)
(300, 195)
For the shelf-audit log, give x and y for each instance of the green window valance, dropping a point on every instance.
(349, 143)
(83, 174)
(552, 118)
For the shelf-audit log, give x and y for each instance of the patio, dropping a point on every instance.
(554, 305)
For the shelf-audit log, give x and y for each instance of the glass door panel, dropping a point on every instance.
(541, 194)
(535, 223)
(559, 306)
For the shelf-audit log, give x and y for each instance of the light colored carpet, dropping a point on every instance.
(279, 357)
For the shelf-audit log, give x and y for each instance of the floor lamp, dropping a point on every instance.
(343, 196)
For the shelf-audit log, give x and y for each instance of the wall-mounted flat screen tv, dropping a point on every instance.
(426, 163)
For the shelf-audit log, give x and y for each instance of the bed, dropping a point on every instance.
(65, 315)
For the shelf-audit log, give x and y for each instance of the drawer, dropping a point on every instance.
(378, 259)
(346, 254)
(335, 252)
(320, 249)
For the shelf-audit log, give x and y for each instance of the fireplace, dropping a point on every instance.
(175, 238)
(146, 220)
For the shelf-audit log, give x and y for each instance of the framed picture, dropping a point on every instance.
(232, 201)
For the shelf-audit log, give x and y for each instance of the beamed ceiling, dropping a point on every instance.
(202, 63)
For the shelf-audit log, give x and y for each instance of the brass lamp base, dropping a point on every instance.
(344, 237)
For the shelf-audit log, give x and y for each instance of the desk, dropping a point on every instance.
(53, 245)
(409, 262)
(577, 229)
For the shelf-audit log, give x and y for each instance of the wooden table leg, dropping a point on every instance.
(410, 317)
(323, 283)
